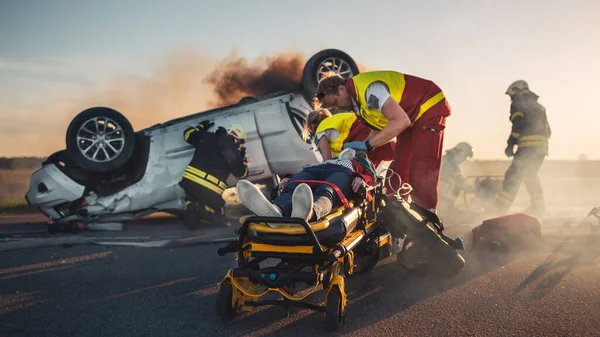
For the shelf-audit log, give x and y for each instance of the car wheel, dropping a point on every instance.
(323, 62)
(100, 140)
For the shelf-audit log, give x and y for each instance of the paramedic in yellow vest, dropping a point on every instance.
(530, 133)
(393, 104)
(331, 132)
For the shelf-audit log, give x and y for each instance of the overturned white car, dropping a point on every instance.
(108, 172)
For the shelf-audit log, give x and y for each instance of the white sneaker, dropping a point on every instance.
(256, 201)
(302, 202)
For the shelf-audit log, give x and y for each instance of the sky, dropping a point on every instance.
(150, 57)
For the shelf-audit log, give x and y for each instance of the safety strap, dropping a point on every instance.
(330, 184)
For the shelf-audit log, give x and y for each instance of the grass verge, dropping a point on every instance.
(11, 207)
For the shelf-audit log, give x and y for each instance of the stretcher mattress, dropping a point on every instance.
(329, 231)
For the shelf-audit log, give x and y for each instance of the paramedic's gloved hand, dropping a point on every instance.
(360, 146)
(358, 185)
(510, 150)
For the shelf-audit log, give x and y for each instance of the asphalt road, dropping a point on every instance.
(120, 291)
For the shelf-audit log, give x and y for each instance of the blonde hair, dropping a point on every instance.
(314, 117)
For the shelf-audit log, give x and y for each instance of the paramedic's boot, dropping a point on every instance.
(194, 216)
(256, 201)
(302, 202)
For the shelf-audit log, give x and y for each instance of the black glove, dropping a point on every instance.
(510, 150)
(221, 131)
(205, 125)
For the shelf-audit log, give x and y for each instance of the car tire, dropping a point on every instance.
(100, 140)
(316, 66)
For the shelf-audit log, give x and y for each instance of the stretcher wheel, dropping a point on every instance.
(225, 308)
(334, 313)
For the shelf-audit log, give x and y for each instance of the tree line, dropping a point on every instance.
(15, 163)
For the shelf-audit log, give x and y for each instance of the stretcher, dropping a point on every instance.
(322, 254)
(348, 241)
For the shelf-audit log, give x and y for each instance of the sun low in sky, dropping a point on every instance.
(150, 60)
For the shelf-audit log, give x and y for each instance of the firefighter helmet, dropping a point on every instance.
(516, 87)
(464, 149)
(238, 133)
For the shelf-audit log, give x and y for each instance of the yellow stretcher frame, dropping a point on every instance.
(327, 263)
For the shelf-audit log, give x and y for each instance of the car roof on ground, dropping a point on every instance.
(209, 113)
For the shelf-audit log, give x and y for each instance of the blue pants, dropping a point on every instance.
(323, 195)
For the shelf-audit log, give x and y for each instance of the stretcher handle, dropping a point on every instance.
(231, 247)
(283, 220)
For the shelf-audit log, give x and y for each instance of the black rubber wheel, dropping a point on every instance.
(100, 140)
(224, 303)
(318, 64)
(334, 315)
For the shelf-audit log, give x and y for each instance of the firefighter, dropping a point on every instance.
(393, 104)
(217, 155)
(530, 133)
(452, 181)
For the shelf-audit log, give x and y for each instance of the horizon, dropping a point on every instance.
(151, 61)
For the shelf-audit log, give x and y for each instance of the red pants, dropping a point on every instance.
(418, 156)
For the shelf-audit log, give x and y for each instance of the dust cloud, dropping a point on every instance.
(235, 77)
(182, 83)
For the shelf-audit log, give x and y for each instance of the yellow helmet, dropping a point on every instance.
(238, 133)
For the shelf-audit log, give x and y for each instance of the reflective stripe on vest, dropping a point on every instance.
(533, 141)
(205, 180)
(342, 122)
(396, 83)
(428, 105)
